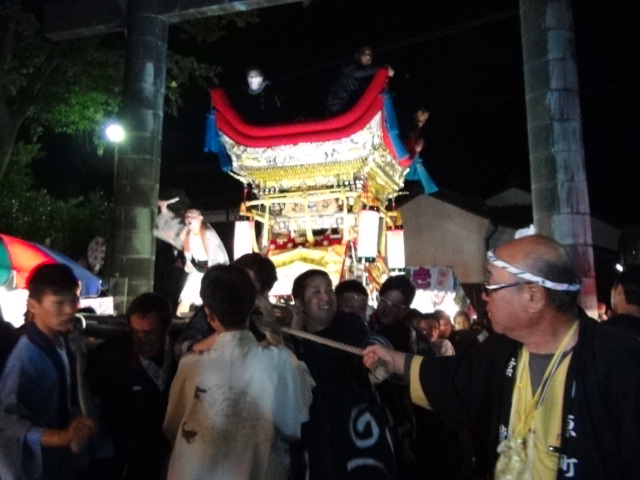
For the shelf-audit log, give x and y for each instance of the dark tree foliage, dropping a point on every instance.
(70, 88)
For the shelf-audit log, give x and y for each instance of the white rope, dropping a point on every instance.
(310, 336)
(318, 339)
(379, 371)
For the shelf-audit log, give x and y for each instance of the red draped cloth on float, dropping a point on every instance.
(231, 124)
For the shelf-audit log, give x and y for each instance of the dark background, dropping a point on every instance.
(461, 59)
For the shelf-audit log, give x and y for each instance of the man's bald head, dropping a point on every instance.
(545, 258)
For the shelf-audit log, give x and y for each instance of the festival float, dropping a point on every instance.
(321, 192)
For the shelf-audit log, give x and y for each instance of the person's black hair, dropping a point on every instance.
(262, 267)
(300, 283)
(151, 302)
(431, 317)
(55, 278)
(229, 293)
(629, 278)
(401, 283)
(351, 286)
(441, 315)
(413, 315)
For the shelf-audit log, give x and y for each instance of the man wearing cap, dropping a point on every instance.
(559, 393)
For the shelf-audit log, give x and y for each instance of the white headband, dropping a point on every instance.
(530, 277)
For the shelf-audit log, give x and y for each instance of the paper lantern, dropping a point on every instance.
(368, 224)
(395, 248)
(244, 236)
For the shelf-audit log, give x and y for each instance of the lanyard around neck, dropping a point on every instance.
(533, 404)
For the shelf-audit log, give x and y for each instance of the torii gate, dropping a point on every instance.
(146, 23)
(556, 149)
(560, 195)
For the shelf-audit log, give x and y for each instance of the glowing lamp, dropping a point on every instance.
(368, 224)
(244, 236)
(395, 248)
(115, 133)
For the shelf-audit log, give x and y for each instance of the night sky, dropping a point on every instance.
(461, 59)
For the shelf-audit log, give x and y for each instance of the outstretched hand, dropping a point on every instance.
(373, 355)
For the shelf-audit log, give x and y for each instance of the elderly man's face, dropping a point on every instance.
(505, 306)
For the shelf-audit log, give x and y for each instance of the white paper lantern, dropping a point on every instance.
(368, 224)
(244, 236)
(395, 248)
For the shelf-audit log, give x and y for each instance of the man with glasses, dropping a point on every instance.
(353, 297)
(559, 392)
(389, 325)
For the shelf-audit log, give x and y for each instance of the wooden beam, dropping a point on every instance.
(68, 19)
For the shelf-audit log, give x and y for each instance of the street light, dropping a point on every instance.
(115, 134)
(117, 286)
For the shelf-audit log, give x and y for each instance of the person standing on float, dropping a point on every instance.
(200, 243)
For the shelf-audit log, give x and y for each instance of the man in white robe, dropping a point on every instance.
(233, 408)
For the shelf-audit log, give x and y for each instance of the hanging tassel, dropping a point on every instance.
(213, 144)
(211, 140)
(418, 172)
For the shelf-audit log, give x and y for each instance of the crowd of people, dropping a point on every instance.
(361, 386)
(546, 393)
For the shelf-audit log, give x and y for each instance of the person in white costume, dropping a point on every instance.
(234, 407)
(200, 243)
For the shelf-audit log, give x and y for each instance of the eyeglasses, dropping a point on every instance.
(353, 298)
(489, 289)
(390, 304)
